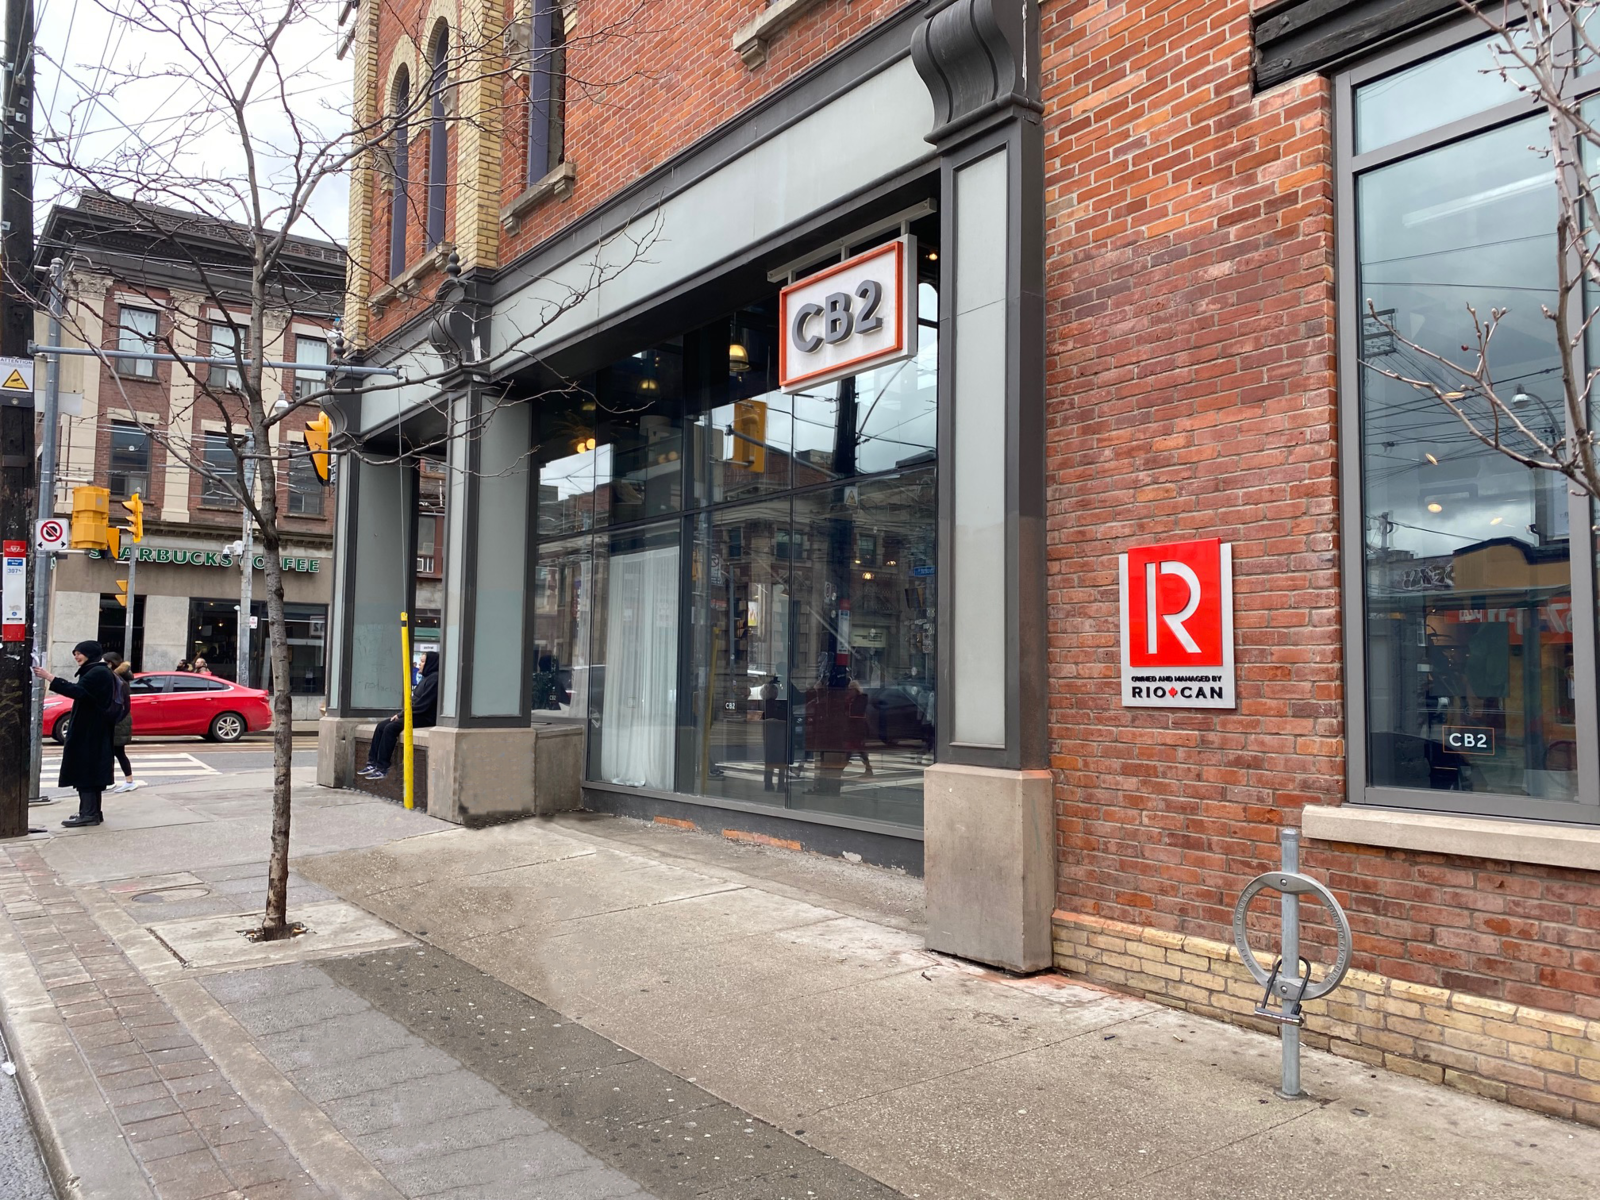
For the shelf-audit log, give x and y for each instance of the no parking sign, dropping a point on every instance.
(50, 534)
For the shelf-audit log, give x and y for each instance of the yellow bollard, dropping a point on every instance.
(405, 696)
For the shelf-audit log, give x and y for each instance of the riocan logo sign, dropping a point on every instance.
(849, 317)
(1177, 626)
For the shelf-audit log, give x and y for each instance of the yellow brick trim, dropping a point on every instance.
(1529, 1057)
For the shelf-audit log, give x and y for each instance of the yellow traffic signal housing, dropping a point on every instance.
(122, 592)
(91, 511)
(114, 542)
(135, 507)
(750, 434)
(317, 434)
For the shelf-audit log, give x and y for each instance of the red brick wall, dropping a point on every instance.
(1191, 394)
(670, 59)
(1510, 931)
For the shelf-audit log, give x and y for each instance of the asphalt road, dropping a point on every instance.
(22, 1175)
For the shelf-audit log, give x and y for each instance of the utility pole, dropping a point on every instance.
(43, 560)
(16, 419)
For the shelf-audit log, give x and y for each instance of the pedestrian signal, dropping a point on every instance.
(122, 592)
(317, 434)
(135, 507)
(91, 508)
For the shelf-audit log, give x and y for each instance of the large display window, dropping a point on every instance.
(735, 586)
(1476, 636)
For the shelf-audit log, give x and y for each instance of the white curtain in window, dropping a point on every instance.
(639, 712)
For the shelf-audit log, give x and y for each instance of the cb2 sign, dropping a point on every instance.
(1177, 625)
(850, 317)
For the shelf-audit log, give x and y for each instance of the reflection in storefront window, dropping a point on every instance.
(752, 573)
(562, 594)
(1469, 624)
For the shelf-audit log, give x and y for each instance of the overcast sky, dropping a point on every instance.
(127, 100)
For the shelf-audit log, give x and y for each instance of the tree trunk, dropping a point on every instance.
(276, 924)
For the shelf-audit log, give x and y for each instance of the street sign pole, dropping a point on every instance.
(44, 561)
(127, 617)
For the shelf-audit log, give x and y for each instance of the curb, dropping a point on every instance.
(78, 1135)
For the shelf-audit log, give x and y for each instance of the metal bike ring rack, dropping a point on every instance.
(1289, 980)
(1292, 883)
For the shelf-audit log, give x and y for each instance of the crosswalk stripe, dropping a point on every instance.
(173, 766)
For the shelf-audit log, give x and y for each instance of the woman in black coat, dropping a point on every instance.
(86, 760)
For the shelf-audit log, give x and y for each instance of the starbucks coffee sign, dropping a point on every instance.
(210, 558)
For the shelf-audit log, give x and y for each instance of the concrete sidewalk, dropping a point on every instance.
(591, 1007)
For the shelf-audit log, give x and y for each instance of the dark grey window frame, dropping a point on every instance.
(211, 483)
(1348, 166)
(303, 487)
(400, 174)
(547, 68)
(130, 339)
(115, 473)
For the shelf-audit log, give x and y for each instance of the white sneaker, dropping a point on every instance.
(124, 786)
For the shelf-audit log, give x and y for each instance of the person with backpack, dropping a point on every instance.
(122, 734)
(86, 756)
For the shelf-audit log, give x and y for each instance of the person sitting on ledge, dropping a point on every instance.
(424, 705)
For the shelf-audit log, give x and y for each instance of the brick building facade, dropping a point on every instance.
(135, 426)
(1195, 202)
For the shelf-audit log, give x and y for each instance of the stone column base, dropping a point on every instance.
(990, 864)
(336, 751)
(484, 776)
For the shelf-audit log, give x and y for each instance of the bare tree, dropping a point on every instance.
(253, 102)
(1546, 50)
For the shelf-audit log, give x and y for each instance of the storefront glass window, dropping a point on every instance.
(633, 686)
(1471, 676)
(638, 458)
(737, 741)
(214, 634)
(565, 454)
(1465, 81)
(563, 589)
(862, 681)
(754, 620)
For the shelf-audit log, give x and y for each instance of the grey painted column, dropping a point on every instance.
(482, 756)
(990, 845)
(487, 637)
(375, 578)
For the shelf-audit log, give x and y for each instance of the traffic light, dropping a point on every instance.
(750, 434)
(135, 507)
(114, 542)
(317, 434)
(91, 510)
(122, 592)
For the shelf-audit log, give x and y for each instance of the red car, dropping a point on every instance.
(180, 703)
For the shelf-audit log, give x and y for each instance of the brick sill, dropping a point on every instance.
(1551, 845)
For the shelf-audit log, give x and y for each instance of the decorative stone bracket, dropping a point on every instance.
(753, 39)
